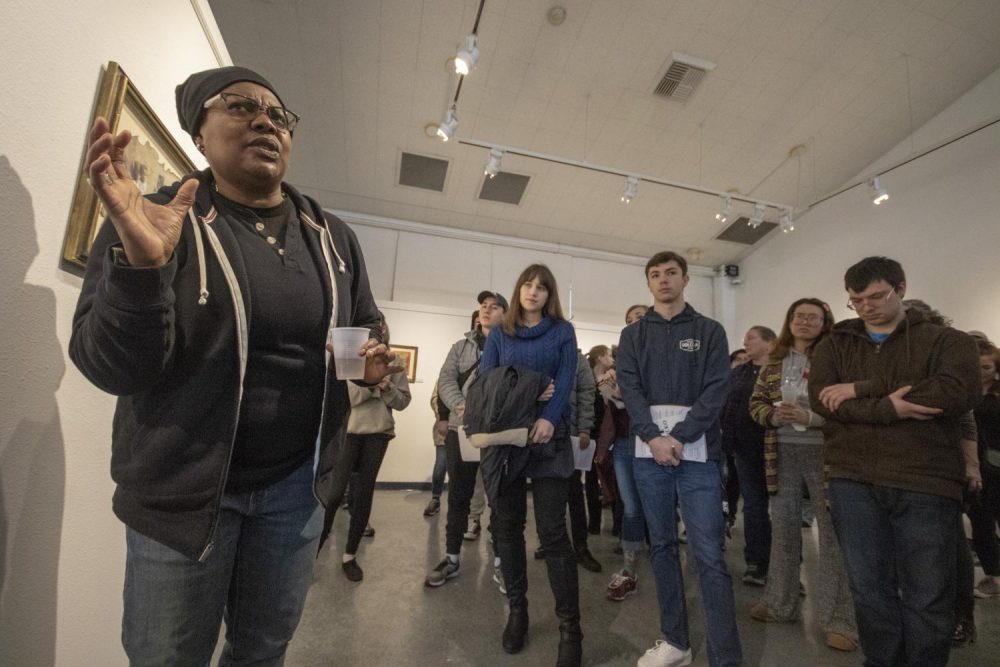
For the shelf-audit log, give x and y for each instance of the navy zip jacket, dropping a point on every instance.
(171, 343)
(682, 361)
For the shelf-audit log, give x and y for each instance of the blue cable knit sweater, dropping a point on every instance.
(549, 347)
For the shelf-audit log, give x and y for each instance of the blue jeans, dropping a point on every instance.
(633, 530)
(698, 488)
(257, 576)
(440, 468)
(900, 556)
(756, 520)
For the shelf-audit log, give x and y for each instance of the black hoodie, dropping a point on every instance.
(170, 342)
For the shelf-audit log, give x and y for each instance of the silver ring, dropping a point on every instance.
(107, 177)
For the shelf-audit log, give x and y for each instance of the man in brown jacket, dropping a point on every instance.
(892, 387)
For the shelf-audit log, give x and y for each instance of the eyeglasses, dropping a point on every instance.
(876, 299)
(808, 318)
(245, 108)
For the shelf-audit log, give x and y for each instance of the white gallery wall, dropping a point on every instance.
(61, 548)
(942, 222)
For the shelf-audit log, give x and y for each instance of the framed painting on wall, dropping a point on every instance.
(153, 159)
(408, 356)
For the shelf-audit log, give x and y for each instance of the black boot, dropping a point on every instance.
(570, 644)
(563, 581)
(517, 629)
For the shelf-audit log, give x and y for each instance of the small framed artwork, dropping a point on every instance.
(408, 355)
(153, 159)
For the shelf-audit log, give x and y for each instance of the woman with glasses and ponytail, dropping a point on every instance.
(793, 456)
(206, 308)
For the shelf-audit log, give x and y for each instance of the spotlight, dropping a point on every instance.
(758, 215)
(786, 223)
(467, 57)
(879, 193)
(446, 130)
(631, 189)
(493, 166)
(727, 209)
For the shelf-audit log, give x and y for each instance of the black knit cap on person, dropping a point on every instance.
(199, 87)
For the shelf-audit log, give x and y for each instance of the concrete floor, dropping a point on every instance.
(391, 618)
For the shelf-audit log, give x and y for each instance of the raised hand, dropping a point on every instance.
(149, 232)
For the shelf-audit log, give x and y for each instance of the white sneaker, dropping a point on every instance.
(665, 655)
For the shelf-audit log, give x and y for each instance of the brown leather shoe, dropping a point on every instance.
(841, 642)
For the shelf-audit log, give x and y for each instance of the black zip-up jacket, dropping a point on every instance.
(171, 343)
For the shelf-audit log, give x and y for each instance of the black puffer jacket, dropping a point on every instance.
(500, 408)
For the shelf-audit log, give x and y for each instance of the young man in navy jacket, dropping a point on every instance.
(677, 361)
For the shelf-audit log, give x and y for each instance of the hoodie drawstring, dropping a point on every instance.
(199, 244)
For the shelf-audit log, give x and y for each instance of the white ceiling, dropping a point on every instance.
(368, 76)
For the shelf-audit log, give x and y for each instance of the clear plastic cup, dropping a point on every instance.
(347, 343)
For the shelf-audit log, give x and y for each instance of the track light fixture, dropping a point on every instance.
(727, 209)
(446, 130)
(758, 215)
(631, 189)
(467, 57)
(493, 165)
(787, 225)
(879, 194)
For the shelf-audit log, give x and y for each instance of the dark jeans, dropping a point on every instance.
(257, 576)
(965, 600)
(579, 509)
(549, 501)
(440, 468)
(756, 520)
(900, 555)
(732, 485)
(362, 454)
(592, 491)
(984, 514)
(461, 486)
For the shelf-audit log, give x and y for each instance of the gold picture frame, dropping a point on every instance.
(153, 157)
(408, 355)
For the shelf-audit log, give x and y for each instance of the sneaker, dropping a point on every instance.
(444, 571)
(754, 577)
(433, 507)
(368, 531)
(987, 588)
(622, 585)
(664, 655)
(965, 633)
(352, 570)
(760, 612)
(841, 642)
(498, 579)
(473, 530)
(587, 560)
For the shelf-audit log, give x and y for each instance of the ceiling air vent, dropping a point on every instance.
(505, 187)
(420, 171)
(683, 74)
(741, 231)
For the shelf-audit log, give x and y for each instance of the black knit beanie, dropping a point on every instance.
(193, 93)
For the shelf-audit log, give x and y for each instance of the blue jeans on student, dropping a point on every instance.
(633, 529)
(440, 468)
(698, 489)
(900, 557)
(257, 576)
